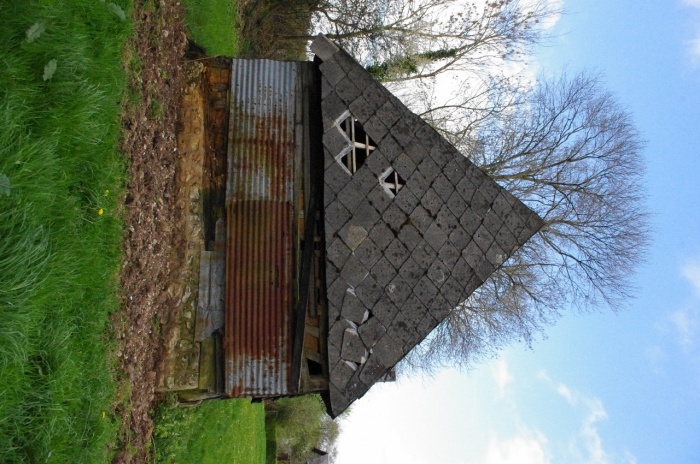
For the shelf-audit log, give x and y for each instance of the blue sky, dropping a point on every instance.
(604, 387)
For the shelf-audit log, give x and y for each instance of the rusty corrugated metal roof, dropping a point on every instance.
(260, 222)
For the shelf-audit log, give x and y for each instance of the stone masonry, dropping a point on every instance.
(396, 264)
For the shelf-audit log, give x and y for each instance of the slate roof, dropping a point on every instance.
(397, 264)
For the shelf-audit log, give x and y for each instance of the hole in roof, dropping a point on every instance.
(360, 146)
(392, 182)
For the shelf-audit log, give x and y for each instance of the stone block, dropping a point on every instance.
(381, 235)
(416, 151)
(361, 110)
(417, 184)
(446, 221)
(480, 204)
(323, 48)
(413, 310)
(346, 61)
(453, 172)
(331, 70)
(368, 253)
(342, 373)
(404, 166)
(365, 215)
(440, 307)
(429, 169)
(334, 107)
(406, 200)
(428, 136)
(396, 253)
(442, 153)
(353, 349)
(496, 255)
(462, 271)
(353, 271)
(336, 331)
(375, 128)
(425, 290)
(353, 309)
(501, 206)
(391, 148)
(336, 215)
(426, 325)
(452, 290)
(400, 329)
(383, 272)
(506, 240)
(369, 291)
(460, 238)
(351, 196)
(339, 402)
(371, 331)
(336, 177)
(388, 351)
(375, 96)
(449, 254)
(409, 236)
(492, 222)
(378, 198)
(456, 204)
(355, 387)
(337, 253)
(489, 189)
(473, 255)
(394, 217)
(470, 221)
(466, 189)
(385, 310)
(388, 113)
(359, 76)
(438, 273)
(515, 224)
(347, 90)
(424, 254)
(483, 238)
(443, 187)
(435, 236)
(402, 132)
(411, 272)
(421, 219)
(398, 290)
(352, 235)
(377, 163)
(432, 202)
(372, 371)
(484, 270)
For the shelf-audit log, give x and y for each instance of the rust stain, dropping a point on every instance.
(260, 224)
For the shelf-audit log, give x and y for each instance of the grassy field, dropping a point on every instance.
(60, 87)
(214, 432)
(213, 25)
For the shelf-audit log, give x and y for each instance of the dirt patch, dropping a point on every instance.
(155, 274)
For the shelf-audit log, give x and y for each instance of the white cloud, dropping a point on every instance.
(693, 3)
(527, 447)
(586, 445)
(691, 271)
(501, 375)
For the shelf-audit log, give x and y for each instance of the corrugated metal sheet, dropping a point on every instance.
(261, 228)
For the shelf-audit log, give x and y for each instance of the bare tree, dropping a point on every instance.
(573, 155)
(407, 39)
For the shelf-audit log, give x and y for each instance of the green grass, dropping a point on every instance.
(213, 24)
(231, 431)
(58, 256)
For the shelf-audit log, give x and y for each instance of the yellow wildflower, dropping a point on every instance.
(100, 211)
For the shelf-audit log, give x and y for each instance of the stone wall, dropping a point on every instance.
(399, 260)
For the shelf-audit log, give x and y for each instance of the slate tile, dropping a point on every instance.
(336, 215)
(353, 271)
(435, 236)
(411, 272)
(385, 310)
(354, 309)
(368, 253)
(421, 219)
(424, 254)
(409, 236)
(396, 253)
(425, 290)
(432, 202)
(398, 290)
(406, 200)
(383, 272)
(381, 235)
(369, 292)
